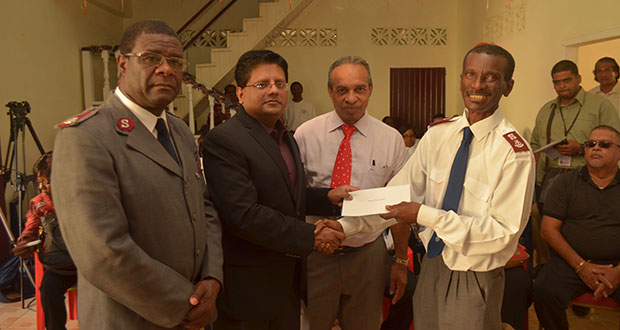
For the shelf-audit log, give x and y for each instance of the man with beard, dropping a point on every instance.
(581, 223)
(472, 182)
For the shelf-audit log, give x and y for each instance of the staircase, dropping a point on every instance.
(273, 18)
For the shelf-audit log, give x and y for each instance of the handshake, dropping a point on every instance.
(328, 236)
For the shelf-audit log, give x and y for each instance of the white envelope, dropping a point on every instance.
(373, 201)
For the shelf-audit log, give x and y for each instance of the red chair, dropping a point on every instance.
(71, 295)
(587, 300)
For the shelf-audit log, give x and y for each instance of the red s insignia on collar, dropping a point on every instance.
(125, 124)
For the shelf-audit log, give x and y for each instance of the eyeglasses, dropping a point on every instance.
(153, 59)
(603, 144)
(263, 85)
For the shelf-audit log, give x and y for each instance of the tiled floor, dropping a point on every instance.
(13, 317)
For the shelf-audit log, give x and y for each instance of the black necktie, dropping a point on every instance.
(454, 189)
(164, 138)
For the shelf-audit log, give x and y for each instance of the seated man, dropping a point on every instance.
(581, 223)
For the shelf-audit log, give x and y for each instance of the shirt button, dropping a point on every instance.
(437, 239)
(198, 252)
(194, 216)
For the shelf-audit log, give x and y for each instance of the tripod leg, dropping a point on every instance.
(34, 136)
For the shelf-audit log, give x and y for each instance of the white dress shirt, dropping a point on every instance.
(378, 153)
(497, 192)
(147, 118)
(613, 96)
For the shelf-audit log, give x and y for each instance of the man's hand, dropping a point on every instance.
(398, 281)
(23, 251)
(322, 223)
(326, 239)
(609, 281)
(406, 212)
(571, 148)
(203, 300)
(336, 195)
(589, 275)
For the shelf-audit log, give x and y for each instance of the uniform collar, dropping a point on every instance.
(362, 125)
(147, 118)
(483, 127)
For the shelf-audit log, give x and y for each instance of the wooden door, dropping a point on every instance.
(416, 94)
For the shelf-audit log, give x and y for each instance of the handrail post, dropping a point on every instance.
(105, 56)
(190, 99)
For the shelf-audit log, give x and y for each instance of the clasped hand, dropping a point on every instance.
(328, 236)
(203, 302)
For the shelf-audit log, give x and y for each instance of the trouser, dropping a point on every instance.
(517, 297)
(554, 287)
(288, 319)
(448, 299)
(401, 313)
(346, 285)
(53, 288)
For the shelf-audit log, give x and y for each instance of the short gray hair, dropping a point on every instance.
(348, 60)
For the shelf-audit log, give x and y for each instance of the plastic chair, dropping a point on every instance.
(587, 300)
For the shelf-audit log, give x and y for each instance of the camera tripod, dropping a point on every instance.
(14, 170)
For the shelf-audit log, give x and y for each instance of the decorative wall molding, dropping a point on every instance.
(509, 22)
(417, 36)
(303, 37)
(209, 38)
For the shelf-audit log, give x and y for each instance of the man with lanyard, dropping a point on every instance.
(568, 118)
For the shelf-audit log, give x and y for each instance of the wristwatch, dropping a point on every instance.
(400, 261)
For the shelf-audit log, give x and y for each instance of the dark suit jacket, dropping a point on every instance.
(265, 236)
(136, 223)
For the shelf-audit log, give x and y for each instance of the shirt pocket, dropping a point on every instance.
(476, 197)
(438, 181)
(377, 175)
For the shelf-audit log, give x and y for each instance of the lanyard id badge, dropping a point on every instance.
(564, 161)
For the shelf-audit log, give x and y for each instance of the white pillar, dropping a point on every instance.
(105, 56)
(88, 79)
(190, 99)
(211, 112)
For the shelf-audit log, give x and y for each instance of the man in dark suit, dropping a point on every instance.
(129, 198)
(257, 181)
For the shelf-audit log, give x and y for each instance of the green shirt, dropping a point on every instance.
(595, 110)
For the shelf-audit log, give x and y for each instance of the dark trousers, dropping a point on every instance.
(517, 297)
(288, 320)
(401, 313)
(53, 289)
(555, 286)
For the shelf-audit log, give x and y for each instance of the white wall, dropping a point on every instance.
(41, 61)
(549, 24)
(354, 19)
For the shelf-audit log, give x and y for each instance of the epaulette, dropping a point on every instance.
(516, 142)
(81, 117)
(445, 120)
(172, 114)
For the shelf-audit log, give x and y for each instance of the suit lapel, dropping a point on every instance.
(257, 131)
(140, 139)
(299, 178)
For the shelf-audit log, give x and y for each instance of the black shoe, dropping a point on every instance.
(580, 311)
